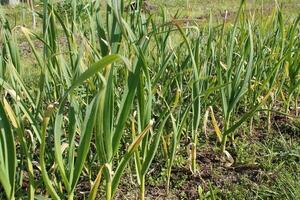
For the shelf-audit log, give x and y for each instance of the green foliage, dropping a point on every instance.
(124, 90)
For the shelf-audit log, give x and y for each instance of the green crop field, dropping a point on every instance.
(174, 99)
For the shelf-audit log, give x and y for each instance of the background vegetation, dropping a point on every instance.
(153, 100)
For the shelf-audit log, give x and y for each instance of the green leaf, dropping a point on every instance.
(8, 160)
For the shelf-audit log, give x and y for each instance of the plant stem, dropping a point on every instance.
(168, 179)
(287, 108)
(71, 196)
(269, 119)
(224, 137)
(108, 188)
(223, 145)
(193, 157)
(142, 188)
